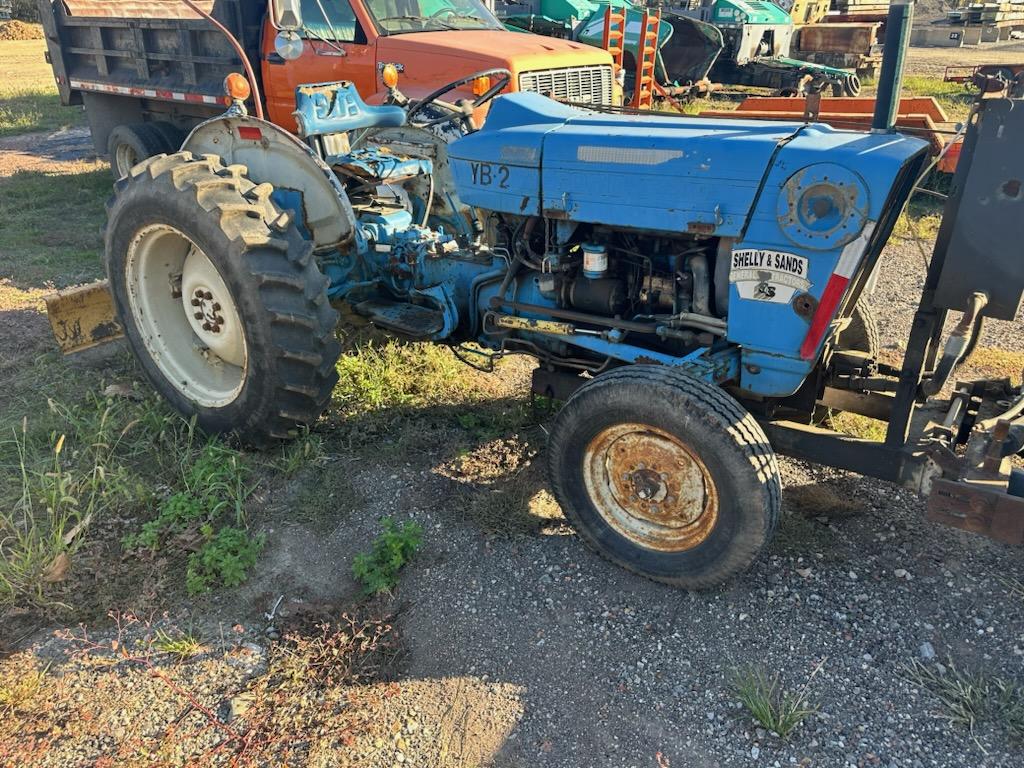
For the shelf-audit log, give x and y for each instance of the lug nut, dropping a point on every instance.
(207, 295)
(196, 302)
(198, 315)
(199, 293)
(207, 327)
(215, 307)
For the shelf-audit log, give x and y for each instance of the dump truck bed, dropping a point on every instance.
(156, 50)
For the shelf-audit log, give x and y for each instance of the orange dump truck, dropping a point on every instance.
(147, 71)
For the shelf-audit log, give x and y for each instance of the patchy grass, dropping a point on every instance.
(324, 496)
(800, 536)
(954, 99)
(970, 699)
(28, 95)
(208, 507)
(378, 569)
(390, 374)
(51, 227)
(1014, 586)
(181, 646)
(855, 425)
(989, 362)
(57, 483)
(391, 394)
(518, 503)
(19, 688)
(72, 467)
(777, 710)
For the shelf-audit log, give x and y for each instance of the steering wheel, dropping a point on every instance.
(455, 113)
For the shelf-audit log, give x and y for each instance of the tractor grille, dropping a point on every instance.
(587, 85)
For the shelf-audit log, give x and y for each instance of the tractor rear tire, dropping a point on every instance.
(131, 144)
(665, 475)
(220, 298)
(861, 334)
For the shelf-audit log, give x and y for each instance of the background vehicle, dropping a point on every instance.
(703, 273)
(729, 42)
(149, 72)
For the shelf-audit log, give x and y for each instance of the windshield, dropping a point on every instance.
(401, 16)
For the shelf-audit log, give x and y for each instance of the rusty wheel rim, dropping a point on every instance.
(650, 487)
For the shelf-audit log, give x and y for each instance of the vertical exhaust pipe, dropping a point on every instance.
(890, 80)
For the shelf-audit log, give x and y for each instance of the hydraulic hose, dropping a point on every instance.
(249, 73)
(960, 341)
(701, 284)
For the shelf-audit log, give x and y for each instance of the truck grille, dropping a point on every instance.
(587, 85)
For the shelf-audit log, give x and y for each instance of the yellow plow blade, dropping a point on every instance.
(83, 317)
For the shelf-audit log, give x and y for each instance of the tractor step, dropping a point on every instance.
(402, 317)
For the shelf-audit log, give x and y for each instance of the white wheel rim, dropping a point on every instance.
(125, 158)
(186, 316)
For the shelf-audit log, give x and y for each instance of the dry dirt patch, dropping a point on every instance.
(19, 30)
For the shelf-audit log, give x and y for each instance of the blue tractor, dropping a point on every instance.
(685, 285)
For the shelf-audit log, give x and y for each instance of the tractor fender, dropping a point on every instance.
(301, 180)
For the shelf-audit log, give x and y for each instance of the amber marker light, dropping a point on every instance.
(389, 74)
(481, 86)
(237, 87)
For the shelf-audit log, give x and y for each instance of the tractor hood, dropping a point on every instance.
(671, 174)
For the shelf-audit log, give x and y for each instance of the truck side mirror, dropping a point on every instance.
(286, 14)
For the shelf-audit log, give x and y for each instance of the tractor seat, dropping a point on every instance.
(337, 108)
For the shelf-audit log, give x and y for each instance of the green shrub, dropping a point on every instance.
(378, 569)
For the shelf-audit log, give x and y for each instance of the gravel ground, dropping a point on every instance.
(899, 289)
(524, 650)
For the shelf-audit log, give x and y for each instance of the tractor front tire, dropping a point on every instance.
(220, 298)
(665, 475)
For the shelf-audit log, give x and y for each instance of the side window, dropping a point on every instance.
(330, 20)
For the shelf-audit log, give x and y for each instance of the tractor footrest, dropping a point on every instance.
(407, 319)
(975, 508)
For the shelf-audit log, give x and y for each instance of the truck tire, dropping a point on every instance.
(131, 144)
(665, 475)
(173, 136)
(851, 85)
(220, 298)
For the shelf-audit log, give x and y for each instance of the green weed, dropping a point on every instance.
(306, 449)
(777, 710)
(378, 569)
(224, 559)
(182, 646)
(213, 484)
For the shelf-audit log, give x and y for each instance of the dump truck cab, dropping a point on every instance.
(148, 72)
(430, 42)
